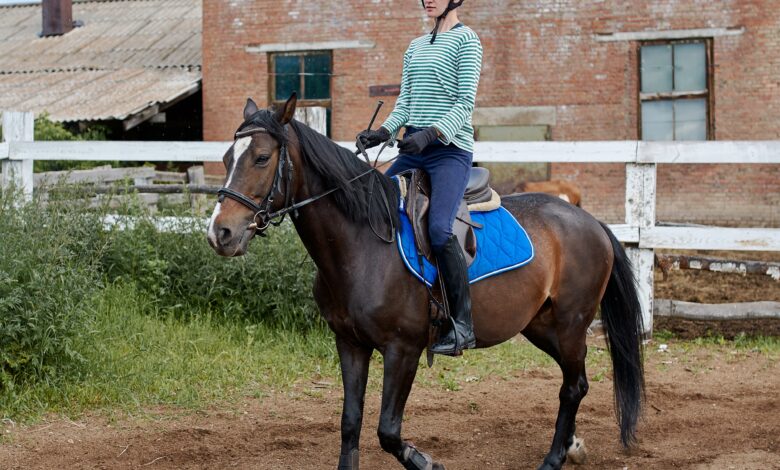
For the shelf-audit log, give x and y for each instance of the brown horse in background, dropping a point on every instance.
(371, 302)
(559, 188)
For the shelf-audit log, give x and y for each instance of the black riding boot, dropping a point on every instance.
(454, 274)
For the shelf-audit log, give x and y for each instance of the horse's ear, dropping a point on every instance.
(286, 112)
(250, 109)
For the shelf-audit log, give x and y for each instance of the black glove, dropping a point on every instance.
(373, 138)
(415, 143)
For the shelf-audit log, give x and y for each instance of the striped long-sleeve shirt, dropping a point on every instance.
(439, 86)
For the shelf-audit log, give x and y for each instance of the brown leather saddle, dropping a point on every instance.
(417, 203)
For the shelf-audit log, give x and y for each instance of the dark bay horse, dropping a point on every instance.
(372, 303)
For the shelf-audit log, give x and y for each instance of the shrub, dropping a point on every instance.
(47, 270)
(55, 259)
(270, 285)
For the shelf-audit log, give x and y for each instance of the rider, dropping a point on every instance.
(438, 88)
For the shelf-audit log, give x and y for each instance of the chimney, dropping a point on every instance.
(57, 17)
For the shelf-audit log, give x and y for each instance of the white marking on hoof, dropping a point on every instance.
(576, 454)
(564, 197)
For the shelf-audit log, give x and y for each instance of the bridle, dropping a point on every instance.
(263, 217)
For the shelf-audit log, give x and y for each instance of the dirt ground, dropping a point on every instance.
(707, 408)
(714, 288)
(710, 408)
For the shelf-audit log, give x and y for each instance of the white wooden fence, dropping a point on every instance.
(639, 232)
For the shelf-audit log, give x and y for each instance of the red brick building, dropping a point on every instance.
(563, 70)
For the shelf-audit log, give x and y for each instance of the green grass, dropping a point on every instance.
(134, 358)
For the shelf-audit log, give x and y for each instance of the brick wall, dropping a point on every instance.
(536, 53)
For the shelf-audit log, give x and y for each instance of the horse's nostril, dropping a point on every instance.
(224, 235)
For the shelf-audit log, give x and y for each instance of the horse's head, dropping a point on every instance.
(257, 171)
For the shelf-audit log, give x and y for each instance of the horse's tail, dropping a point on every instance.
(621, 315)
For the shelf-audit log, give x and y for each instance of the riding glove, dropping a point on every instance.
(415, 143)
(373, 138)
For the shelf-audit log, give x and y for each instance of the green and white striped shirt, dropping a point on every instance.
(439, 86)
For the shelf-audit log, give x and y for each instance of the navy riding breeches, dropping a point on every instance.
(448, 167)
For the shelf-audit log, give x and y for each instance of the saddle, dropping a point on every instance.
(417, 204)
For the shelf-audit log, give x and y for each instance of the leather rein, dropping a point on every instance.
(263, 217)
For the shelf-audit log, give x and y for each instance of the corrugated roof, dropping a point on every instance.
(128, 56)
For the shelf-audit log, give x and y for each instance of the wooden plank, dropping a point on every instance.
(4, 148)
(668, 262)
(625, 233)
(535, 152)
(489, 152)
(104, 174)
(163, 224)
(143, 189)
(18, 127)
(737, 311)
(169, 177)
(720, 151)
(314, 117)
(126, 151)
(711, 238)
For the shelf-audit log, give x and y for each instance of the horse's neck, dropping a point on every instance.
(331, 238)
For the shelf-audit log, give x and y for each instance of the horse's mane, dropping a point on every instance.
(336, 165)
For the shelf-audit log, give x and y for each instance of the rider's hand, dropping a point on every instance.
(373, 138)
(416, 143)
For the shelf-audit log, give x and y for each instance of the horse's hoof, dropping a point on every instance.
(438, 466)
(577, 454)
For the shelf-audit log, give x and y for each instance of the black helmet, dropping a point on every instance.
(452, 5)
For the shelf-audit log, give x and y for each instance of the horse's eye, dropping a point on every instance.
(262, 160)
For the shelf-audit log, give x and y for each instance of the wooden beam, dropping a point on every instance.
(711, 238)
(721, 151)
(669, 34)
(668, 262)
(737, 311)
(125, 151)
(311, 46)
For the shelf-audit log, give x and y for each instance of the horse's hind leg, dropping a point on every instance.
(400, 365)
(354, 374)
(566, 344)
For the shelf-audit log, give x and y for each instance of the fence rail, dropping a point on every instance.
(639, 233)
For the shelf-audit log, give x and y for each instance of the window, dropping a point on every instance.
(307, 73)
(675, 91)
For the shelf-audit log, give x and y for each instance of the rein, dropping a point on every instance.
(264, 218)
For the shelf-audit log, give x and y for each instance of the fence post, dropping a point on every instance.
(640, 212)
(18, 127)
(196, 175)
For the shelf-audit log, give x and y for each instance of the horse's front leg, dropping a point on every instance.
(400, 367)
(354, 374)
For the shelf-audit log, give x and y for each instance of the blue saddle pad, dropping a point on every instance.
(502, 245)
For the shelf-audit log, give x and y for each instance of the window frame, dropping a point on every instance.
(325, 103)
(677, 95)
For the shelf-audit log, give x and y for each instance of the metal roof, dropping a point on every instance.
(128, 56)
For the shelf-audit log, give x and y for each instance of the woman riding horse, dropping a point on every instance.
(438, 88)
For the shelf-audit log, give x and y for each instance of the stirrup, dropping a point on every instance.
(457, 346)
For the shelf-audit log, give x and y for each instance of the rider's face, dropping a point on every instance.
(435, 8)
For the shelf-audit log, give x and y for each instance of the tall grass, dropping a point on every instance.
(66, 284)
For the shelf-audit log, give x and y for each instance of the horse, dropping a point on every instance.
(371, 302)
(563, 189)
